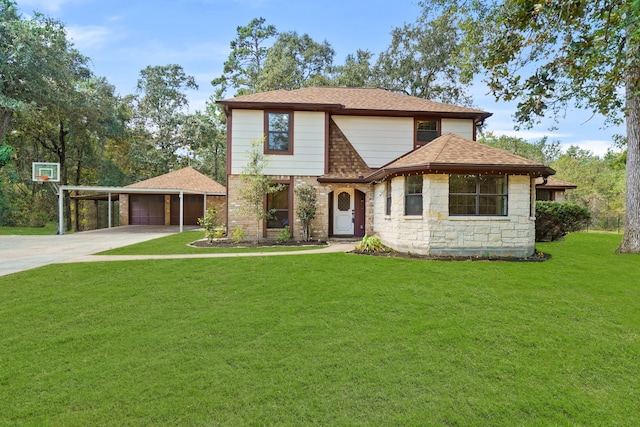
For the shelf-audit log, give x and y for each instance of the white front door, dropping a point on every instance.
(343, 212)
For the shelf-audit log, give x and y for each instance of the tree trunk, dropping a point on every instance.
(5, 122)
(631, 239)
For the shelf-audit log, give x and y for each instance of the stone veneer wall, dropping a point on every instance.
(320, 224)
(437, 233)
(123, 200)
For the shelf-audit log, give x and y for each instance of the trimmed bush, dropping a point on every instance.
(555, 220)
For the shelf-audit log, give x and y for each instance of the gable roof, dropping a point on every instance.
(453, 154)
(350, 100)
(187, 179)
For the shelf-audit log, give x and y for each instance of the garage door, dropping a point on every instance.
(146, 209)
(193, 209)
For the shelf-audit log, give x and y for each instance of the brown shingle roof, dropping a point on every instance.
(187, 179)
(453, 154)
(350, 99)
(554, 183)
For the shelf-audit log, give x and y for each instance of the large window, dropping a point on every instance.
(278, 132)
(426, 131)
(278, 205)
(413, 195)
(477, 195)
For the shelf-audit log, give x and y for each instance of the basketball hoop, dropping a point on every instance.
(45, 172)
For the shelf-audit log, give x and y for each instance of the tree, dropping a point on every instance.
(306, 209)
(356, 72)
(256, 185)
(296, 61)
(160, 111)
(540, 151)
(244, 65)
(600, 182)
(37, 63)
(551, 55)
(420, 61)
(206, 138)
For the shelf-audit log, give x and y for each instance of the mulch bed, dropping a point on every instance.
(227, 243)
(389, 253)
(536, 257)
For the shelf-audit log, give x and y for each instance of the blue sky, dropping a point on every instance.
(123, 37)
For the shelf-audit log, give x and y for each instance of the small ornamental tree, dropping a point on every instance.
(210, 223)
(306, 209)
(256, 185)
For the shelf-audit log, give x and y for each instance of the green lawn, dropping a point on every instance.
(50, 228)
(177, 244)
(331, 339)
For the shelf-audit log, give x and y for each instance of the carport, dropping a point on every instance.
(177, 196)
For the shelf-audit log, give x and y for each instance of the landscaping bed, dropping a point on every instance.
(228, 243)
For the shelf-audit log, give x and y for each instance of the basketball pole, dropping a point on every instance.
(60, 212)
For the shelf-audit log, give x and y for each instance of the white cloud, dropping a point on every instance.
(90, 36)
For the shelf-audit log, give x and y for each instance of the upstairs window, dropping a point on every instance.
(426, 131)
(478, 195)
(413, 195)
(278, 132)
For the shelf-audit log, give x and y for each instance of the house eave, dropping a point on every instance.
(228, 105)
(458, 168)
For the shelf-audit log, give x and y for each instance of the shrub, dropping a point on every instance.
(210, 223)
(370, 244)
(220, 232)
(555, 220)
(238, 235)
(285, 235)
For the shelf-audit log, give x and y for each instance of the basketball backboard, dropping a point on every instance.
(45, 172)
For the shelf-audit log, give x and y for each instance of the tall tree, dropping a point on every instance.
(296, 61)
(550, 55)
(246, 60)
(160, 111)
(356, 72)
(206, 138)
(37, 63)
(420, 61)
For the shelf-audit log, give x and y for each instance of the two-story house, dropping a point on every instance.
(404, 168)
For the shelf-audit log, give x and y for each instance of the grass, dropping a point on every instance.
(331, 339)
(48, 229)
(178, 244)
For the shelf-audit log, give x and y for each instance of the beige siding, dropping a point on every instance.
(378, 140)
(247, 126)
(462, 127)
(308, 143)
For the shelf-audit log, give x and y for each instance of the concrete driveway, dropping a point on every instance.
(19, 253)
